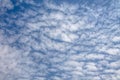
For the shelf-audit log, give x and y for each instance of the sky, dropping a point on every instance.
(59, 39)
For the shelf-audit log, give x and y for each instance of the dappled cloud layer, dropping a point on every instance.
(60, 40)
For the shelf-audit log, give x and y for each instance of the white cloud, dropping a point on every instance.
(9, 60)
(61, 43)
(113, 51)
(114, 64)
(94, 56)
(4, 5)
(91, 66)
(116, 39)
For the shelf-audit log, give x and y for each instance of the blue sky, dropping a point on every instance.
(59, 39)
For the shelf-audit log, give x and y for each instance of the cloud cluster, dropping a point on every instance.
(66, 41)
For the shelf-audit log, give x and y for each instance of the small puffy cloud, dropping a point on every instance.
(6, 4)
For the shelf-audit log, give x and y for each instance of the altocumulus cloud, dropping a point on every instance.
(59, 40)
